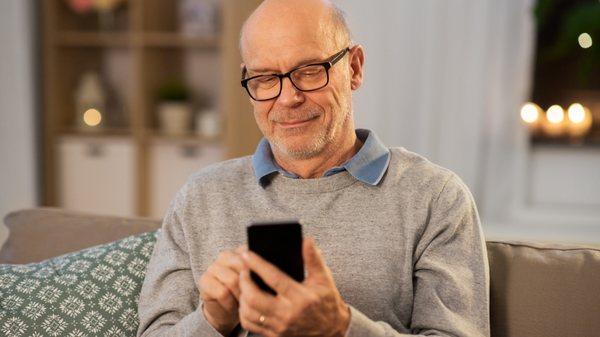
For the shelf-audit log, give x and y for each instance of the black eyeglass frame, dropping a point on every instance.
(328, 63)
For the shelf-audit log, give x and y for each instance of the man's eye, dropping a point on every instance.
(309, 72)
(266, 79)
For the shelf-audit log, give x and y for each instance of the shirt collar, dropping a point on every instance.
(368, 165)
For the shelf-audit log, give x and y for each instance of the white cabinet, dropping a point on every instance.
(171, 163)
(97, 175)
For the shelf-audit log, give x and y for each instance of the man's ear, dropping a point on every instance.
(357, 62)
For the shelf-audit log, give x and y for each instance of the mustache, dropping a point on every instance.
(279, 116)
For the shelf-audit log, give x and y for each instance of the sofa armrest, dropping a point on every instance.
(41, 233)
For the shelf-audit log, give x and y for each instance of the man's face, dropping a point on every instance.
(298, 124)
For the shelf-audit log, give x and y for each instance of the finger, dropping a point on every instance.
(213, 290)
(273, 277)
(227, 277)
(254, 297)
(231, 260)
(252, 324)
(315, 265)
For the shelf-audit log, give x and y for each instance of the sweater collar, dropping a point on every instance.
(368, 165)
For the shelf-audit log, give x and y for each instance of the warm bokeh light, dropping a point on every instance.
(92, 117)
(585, 40)
(530, 113)
(576, 113)
(555, 114)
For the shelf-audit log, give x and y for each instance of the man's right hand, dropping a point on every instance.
(220, 292)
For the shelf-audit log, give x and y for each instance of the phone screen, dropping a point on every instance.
(279, 243)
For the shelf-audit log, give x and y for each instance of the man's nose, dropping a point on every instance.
(290, 95)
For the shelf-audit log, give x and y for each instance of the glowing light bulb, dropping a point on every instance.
(555, 114)
(576, 113)
(585, 40)
(92, 117)
(530, 113)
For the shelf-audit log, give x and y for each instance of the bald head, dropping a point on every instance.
(286, 19)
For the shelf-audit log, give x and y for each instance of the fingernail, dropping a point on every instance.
(245, 255)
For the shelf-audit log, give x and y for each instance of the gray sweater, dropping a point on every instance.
(407, 255)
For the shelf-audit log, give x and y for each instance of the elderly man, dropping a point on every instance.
(400, 245)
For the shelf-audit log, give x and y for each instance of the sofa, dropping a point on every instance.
(536, 289)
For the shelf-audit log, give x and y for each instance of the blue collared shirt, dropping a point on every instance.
(368, 165)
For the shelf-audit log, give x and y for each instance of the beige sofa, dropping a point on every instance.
(537, 290)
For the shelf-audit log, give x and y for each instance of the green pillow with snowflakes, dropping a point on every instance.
(92, 292)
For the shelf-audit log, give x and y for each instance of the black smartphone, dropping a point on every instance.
(279, 243)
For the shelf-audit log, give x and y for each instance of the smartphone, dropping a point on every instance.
(280, 243)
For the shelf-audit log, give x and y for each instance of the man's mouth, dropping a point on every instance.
(296, 123)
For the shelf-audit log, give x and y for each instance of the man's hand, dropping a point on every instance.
(220, 292)
(311, 308)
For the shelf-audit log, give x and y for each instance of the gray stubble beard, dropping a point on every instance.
(318, 145)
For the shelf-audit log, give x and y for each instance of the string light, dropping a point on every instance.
(555, 114)
(585, 40)
(576, 113)
(530, 113)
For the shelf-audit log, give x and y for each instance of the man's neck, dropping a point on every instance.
(316, 166)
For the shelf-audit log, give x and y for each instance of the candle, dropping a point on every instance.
(580, 120)
(532, 115)
(555, 124)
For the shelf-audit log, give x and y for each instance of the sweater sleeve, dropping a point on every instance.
(450, 276)
(169, 303)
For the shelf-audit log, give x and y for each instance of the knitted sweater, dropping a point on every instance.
(407, 255)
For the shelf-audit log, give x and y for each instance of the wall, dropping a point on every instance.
(17, 109)
(446, 79)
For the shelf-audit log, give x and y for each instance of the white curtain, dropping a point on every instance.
(17, 110)
(445, 79)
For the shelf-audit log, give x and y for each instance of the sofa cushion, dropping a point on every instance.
(41, 233)
(543, 289)
(93, 292)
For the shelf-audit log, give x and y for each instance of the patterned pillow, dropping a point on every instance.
(92, 292)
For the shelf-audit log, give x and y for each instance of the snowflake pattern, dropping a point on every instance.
(87, 289)
(34, 310)
(7, 280)
(72, 306)
(27, 286)
(93, 321)
(125, 285)
(115, 258)
(93, 292)
(137, 267)
(49, 294)
(54, 325)
(13, 326)
(11, 302)
(103, 273)
(110, 303)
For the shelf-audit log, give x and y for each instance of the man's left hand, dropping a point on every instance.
(311, 308)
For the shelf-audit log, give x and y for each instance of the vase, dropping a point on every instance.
(175, 118)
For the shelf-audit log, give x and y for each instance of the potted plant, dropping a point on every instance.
(174, 109)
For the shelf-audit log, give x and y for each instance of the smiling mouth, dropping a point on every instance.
(296, 123)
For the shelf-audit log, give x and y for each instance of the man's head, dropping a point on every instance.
(282, 35)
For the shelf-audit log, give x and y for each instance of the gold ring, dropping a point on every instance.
(262, 319)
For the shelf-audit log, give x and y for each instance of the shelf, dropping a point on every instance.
(155, 137)
(176, 40)
(100, 133)
(92, 39)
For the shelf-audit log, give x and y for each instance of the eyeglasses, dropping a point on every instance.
(309, 77)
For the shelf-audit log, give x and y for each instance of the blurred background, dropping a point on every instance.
(106, 106)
